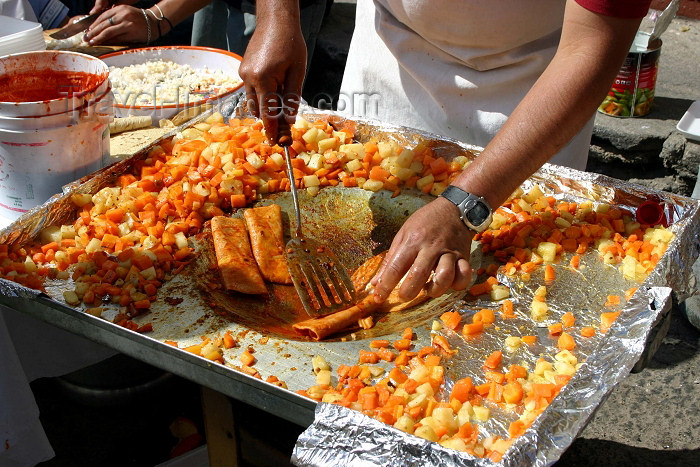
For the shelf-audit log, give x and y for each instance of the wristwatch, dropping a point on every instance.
(474, 211)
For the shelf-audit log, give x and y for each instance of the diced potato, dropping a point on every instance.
(386, 149)
(81, 199)
(517, 193)
(466, 412)
(548, 251)
(311, 180)
(331, 397)
(500, 292)
(533, 194)
(405, 424)
(497, 220)
(353, 151)
(353, 165)
(457, 444)
(405, 159)
(316, 162)
(426, 389)
(438, 188)
(538, 310)
(51, 234)
(541, 366)
(426, 432)
(323, 377)
(564, 368)
(149, 274)
(423, 182)
(403, 174)
(180, 240)
(277, 158)
(202, 126)
(216, 117)
(525, 206)
(445, 416)
(71, 297)
(67, 231)
(373, 185)
(512, 343)
(341, 135)
(419, 373)
(566, 356)
(418, 400)
(97, 311)
(481, 414)
(93, 245)
(313, 190)
(562, 223)
(327, 144)
(463, 161)
(255, 160)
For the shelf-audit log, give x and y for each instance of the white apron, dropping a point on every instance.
(456, 68)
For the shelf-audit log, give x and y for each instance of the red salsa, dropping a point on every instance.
(45, 85)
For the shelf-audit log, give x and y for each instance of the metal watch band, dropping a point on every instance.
(454, 194)
(467, 203)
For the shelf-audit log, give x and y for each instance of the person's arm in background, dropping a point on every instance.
(50, 13)
(128, 24)
(590, 53)
(274, 64)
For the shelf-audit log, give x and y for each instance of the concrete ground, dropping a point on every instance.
(650, 419)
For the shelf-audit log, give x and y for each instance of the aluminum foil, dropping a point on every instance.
(340, 436)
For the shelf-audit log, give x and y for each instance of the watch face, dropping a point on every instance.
(477, 213)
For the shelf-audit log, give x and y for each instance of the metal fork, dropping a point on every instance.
(323, 284)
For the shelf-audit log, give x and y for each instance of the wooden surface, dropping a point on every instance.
(95, 51)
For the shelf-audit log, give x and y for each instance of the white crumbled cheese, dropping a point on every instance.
(163, 82)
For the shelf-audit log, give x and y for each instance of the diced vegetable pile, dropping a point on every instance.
(126, 240)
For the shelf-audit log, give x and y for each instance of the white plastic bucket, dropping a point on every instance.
(41, 154)
(38, 64)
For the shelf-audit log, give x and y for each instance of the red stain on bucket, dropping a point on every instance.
(632, 92)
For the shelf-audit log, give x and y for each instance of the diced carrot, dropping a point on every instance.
(494, 360)
(588, 331)
(612, 300)
(529, 340)
(247, 358)
(566, 342)
(555, 329)
(549, 275)
(485, 315)
(516, 428)
(367, 356)
(512, 392)
(407, 334)
(229, 341)
(568, 319)
(378, 344)
(471, 329)
(451, 319)
(397, 375)
(607, 320)
(462, 390)
(402, 344)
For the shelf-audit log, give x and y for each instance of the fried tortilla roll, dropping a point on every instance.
(365, 273)
(267, 238)
(318, 328)
(235, 257)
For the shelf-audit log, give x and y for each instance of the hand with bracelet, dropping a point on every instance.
(125, 24)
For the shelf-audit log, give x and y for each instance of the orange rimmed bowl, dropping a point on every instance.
(132, 100)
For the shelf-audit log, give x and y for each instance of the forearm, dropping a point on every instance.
(176, 11)
(562, 100)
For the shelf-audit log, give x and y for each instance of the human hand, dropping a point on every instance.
(121, 24)
(432, 239)
(273, 70)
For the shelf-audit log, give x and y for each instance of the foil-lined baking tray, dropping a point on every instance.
(366, 222)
